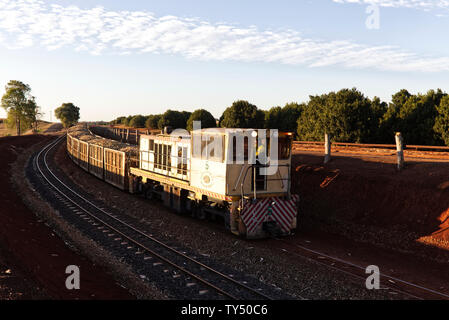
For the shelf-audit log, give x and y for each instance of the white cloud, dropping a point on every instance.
(413, 4)
(26, 23)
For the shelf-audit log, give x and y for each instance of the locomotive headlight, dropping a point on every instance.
(254, 134)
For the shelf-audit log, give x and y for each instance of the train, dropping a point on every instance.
(242, 176)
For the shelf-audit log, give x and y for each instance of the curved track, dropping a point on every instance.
(192, 273)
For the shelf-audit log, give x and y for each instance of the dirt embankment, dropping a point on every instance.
(367, 198)
(31, 251)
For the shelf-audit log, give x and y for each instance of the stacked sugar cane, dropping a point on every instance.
(81, 132)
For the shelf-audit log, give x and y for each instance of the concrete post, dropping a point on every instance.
(327, 148)
(400, 150)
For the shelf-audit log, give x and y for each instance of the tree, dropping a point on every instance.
(137, 121)
(127, 121)
(172, 118)
(206, 118)
(152, 121)
(284, 119)
(441, 126)
(119, 120)
(346, 115)
(11, 123)
(290, 115)
(186, 115)
(390, 122)
(414, 116)
(19, 104)
(220, 121)
(68, 113)
(32, 114)
(378, 108)
(273, 118)
(243, 114)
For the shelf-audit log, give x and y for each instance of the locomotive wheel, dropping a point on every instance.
(194, 210)
(149, 193)
(227, 220)
(199, 212)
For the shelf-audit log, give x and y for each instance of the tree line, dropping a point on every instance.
(347, 115)
(241, 114)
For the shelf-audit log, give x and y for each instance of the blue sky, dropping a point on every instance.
(114, 58)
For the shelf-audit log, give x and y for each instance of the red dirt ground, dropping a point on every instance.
(369, 191)
(33, 249)
(361, 209)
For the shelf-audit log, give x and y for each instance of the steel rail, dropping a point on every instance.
(52, 145)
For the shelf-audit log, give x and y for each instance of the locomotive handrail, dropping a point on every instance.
(254, 166)
(165, 167)
(238, 179)
(241, 186)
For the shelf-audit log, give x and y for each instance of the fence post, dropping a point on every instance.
(327, 148)
(400, 150)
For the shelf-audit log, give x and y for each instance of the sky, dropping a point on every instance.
(112, 58)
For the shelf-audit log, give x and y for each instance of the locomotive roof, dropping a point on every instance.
(167, 137)
(185, 135)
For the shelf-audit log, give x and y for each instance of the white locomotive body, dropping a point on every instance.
(238, 174)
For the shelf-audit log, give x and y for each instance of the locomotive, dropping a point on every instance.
(218, 172)
(240, 175)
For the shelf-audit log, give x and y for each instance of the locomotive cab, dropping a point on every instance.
(239, 163)
(251, 168)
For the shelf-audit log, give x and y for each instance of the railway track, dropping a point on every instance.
(391, 283)
(193, 279)
(190, 278)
